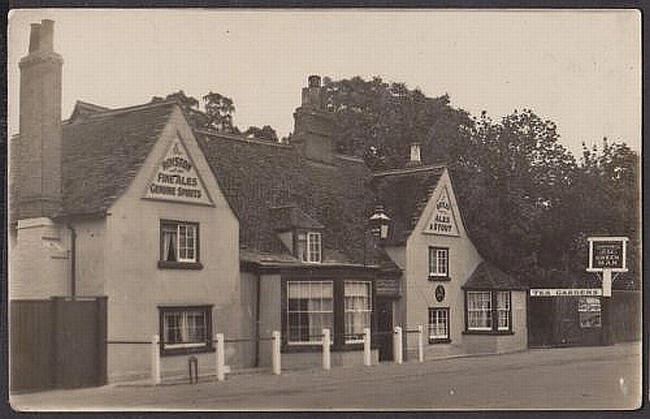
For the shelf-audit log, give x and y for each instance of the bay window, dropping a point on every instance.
(488, 311)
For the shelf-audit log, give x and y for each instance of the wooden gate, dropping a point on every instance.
(57, 343)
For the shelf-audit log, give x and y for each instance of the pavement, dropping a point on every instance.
(606, 377)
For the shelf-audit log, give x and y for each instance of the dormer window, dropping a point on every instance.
(309, 247)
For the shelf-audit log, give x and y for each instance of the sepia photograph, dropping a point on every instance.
(324, 209)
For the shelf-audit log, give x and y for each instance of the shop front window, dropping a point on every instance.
(489, 311)
(358, 307)
(310, 309)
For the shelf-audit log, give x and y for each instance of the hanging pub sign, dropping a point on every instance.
(607, 253)
(176, 178)
(442, 222)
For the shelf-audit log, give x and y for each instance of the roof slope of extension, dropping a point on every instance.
(404, 193)
(103, 152)
(489, 277)
(271, 186)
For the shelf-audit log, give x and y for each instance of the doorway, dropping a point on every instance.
(384, 337)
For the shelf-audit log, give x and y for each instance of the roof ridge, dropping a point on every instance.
(92, 105)
(239, 137)
(407, 171)
(119, 111)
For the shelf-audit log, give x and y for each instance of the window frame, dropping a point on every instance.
(347, 339)
(288, 313)
(447, 338)
(185, 348)
(434, 255)
(494, 328)
(180, 263)
(307, 243)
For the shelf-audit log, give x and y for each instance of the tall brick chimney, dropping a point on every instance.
(36, 157)
(314, 127)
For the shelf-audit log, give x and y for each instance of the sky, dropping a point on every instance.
(580, 69)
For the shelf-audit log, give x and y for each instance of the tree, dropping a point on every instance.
(190, 107)
(219, 109)
(378, 121)
(266, 133)
(217, 113)
(606, 201)
(512, 182)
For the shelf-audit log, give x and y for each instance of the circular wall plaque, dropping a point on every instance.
(440, 293)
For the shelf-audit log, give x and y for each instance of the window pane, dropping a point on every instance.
(169, 244)
(433, 261)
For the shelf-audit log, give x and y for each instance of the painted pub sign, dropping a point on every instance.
(176, 178)
(442, 222)
(608, 255)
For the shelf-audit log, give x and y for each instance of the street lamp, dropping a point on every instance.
(379, 223)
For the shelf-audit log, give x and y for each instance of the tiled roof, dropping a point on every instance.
(489, 277)
(103, 151)
(404, 194)
(289, 216)
(258, 177)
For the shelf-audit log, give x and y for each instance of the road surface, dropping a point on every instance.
(559, 378)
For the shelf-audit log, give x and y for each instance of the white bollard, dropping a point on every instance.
(221, 357)
(420, 343)
(326, 349)
(275, 353)
(367, 355)
(155, 359)
(397, 344)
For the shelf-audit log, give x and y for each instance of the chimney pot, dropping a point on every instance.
(46, 42)
(313, 80)
(34, 37)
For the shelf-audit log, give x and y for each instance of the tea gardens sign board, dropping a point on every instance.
(176, 178)
(442, 222)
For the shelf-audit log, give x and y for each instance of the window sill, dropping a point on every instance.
(163, 264)
(489, 332)
(186, 351)
(435, 341)
(439, 278)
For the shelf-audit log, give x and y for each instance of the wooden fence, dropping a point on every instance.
(57, 343)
